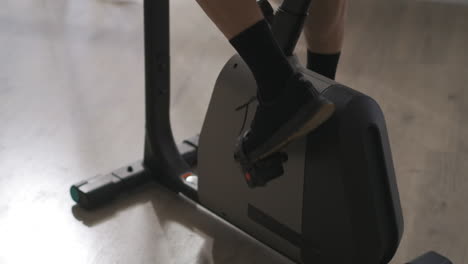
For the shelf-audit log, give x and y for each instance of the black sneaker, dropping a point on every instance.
(300, 110)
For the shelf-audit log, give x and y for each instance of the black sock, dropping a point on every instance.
(324, 64)
(270, 67)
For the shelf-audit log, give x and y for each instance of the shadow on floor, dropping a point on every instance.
(223, 244)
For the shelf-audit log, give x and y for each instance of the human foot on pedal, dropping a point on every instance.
(298, 110)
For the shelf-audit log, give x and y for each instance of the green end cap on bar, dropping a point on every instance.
(75, 194)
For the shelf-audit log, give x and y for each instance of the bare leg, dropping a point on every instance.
(232, 16)
(324, 28)
(324, 31)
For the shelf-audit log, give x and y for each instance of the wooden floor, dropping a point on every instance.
(71, 94)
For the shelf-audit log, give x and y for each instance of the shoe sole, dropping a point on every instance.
(300, 125)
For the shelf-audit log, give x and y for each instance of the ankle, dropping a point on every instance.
(323, 64)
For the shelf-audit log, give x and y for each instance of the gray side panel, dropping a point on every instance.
(222, 188)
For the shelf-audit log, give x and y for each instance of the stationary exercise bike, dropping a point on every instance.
(331, 197)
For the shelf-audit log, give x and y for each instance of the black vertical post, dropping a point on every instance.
(288, 23)
(157, 54)
(162, 158)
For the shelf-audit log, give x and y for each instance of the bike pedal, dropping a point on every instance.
(265, 170)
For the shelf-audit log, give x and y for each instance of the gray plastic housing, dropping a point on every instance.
(337, 201)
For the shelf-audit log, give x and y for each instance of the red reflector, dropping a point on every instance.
(186, 175)
(248, 177)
